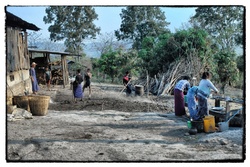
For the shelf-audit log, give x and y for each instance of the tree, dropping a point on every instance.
(226, 68)
(158, 53)
(139, 22)
(116, 63)
(109, 63)
(33, 38)
(72, 24)
(224, 24)
(107, 42)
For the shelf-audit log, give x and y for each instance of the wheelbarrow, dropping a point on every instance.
(223, 126)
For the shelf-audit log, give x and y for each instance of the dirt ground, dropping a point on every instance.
(111, 127)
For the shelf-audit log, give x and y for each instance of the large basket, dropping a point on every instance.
(21, 102)
(39, 105)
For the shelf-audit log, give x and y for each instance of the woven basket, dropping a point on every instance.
(9, 100)
(21, 102)
(39, 105)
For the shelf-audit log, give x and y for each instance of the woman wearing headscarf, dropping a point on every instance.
(205, 86)
(179, 96)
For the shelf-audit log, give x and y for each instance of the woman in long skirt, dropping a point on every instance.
(77, 86)
(34, 82)
(203, 93)
(179, 104)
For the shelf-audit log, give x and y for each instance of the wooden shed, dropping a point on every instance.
(17, 57)
(44, 61)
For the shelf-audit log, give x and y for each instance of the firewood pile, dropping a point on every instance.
(164, 83)
(55, 63)
(57, 77)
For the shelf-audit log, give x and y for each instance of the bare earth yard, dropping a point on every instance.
(110, 127)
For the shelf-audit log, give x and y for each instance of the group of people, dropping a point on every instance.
(78, 89)
(197, 96)
(34, 82)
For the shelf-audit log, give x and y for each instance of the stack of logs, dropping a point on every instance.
(57, 74)
(164, 83)
(57, 77)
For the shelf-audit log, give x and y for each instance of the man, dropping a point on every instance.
(87, 77)
(33, 78)
(126, 80)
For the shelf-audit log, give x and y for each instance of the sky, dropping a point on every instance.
(108, 17)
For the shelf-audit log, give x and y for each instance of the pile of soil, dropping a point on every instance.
(102, 99)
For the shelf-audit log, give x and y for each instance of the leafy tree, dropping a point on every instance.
(72, 24)
(139, 22)
(226, 68)
(224, 24)
(240, 63)
(116, 63)
(109, 63)
(158, 53)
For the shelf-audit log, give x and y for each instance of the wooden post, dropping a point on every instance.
(64, 71)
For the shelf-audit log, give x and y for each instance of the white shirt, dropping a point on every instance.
(205, 85)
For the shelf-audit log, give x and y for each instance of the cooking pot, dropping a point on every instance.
(192, 131)
(223, 126)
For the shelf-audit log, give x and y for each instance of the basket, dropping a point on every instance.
(21, 102)
(9, 100)
(39, 105)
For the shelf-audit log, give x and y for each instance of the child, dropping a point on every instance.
(47, 76)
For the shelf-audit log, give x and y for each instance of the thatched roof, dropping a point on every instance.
(14, 21)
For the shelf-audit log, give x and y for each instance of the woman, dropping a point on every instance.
(34, 83)
(179, 96)
(203, 93)
(192, 106)
(87, 78)
(77, 87)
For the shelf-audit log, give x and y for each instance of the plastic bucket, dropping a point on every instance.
(198, 125)
(189, 125)
(209, 124)
(185, 98)
(139, 90)
(39, 105)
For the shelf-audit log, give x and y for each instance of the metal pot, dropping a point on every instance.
(192, 131)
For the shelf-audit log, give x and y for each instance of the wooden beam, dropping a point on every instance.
(64, 71)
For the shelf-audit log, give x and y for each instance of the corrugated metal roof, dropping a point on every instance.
(51, 52)
(14, 21)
